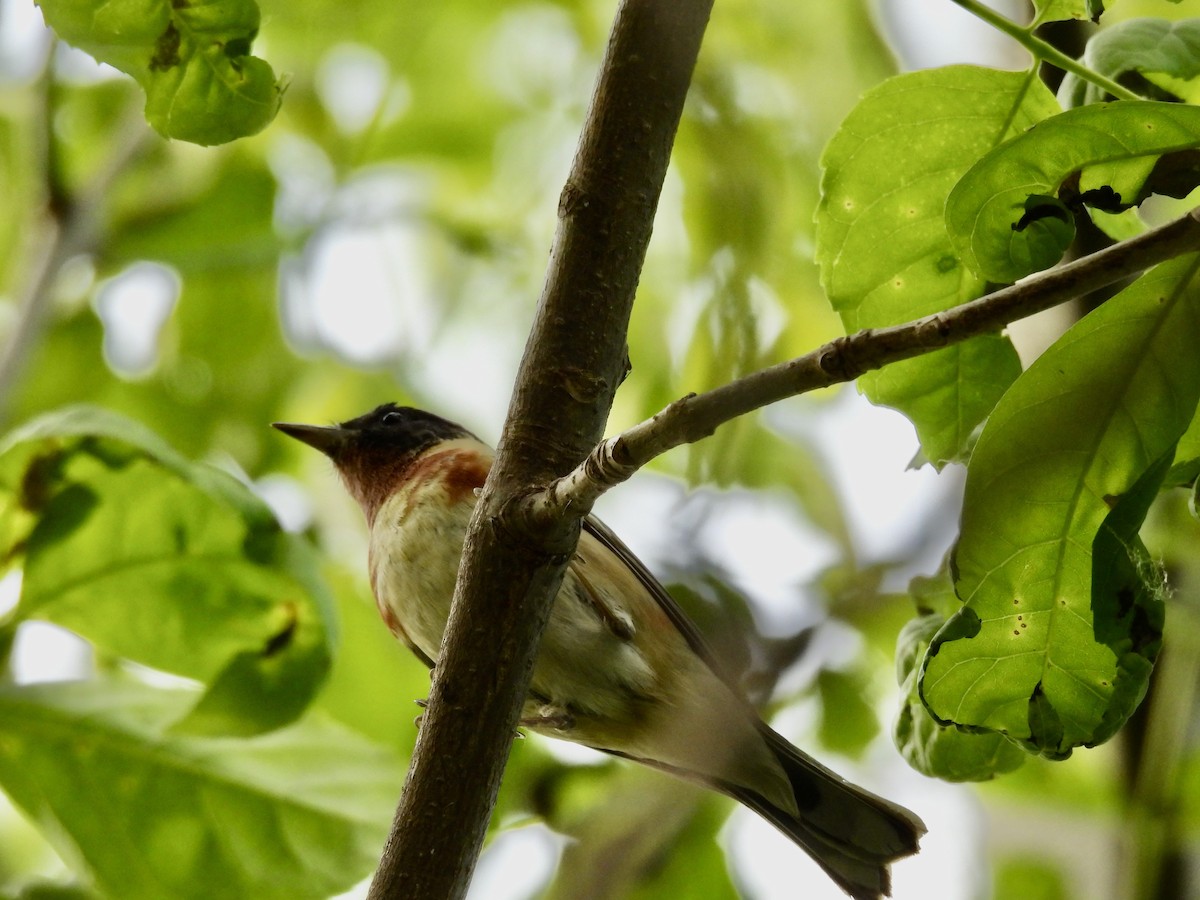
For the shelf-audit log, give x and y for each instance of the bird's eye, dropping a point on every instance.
(391, 418)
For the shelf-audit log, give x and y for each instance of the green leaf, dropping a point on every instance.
(1058, 10)
(1132, 53)
(1187, 457)
(848, 720)
(1128, 605)
(173, 565)
(1026, 656)
(934, 749)
(301, 812)
(882, 244)
(191, 58)
(1113, 148)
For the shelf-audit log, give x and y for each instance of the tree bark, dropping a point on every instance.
(574, 359)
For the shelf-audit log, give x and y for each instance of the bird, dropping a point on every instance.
(620, 667)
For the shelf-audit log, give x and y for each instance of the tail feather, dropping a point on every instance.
(850, 832)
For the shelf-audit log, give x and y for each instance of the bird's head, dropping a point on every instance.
(373, 452)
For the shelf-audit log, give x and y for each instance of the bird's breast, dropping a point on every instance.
(416, 541)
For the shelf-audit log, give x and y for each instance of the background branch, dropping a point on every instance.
(574, 359)
(697, 415)
(69, 227)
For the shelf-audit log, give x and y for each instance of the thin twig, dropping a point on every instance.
(1044, 51)
(697, 415)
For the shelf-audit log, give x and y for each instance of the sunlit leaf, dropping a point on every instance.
(1029, 655)
(882, 244)
(171, 564)
(1114, 150)
(301, 812)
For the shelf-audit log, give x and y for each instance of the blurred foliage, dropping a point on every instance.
(384, 238)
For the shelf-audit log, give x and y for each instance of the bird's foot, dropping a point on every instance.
(550, 718)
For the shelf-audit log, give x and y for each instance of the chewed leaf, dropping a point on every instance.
(882, 245)
(299, 813)
(934, 749)
(192, 58)
(171, 564)
(1030, 655)
(1104, 155)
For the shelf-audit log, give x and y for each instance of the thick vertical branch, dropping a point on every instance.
(573, 362)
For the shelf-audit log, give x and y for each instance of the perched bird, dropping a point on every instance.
(620, 667)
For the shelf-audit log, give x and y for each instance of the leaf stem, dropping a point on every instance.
(1043, 51)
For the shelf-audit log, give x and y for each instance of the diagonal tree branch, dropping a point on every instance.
(696, 416)
(574, 360)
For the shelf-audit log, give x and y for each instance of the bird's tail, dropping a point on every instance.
(850, 832)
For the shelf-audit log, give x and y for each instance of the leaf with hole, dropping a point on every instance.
(1112, 149)
(1028, 655)
(174, 565)
(930, 747)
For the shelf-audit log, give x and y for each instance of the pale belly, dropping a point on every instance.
(594, 681)
(582, 666)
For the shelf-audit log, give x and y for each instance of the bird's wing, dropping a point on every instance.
(673, 611)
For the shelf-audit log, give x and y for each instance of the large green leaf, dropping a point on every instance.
(882, 244)
(1012, 213)
(301, 812)
(1037, 651)
(171, 564)
(191, 58)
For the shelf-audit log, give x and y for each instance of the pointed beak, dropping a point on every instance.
(329, 440)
